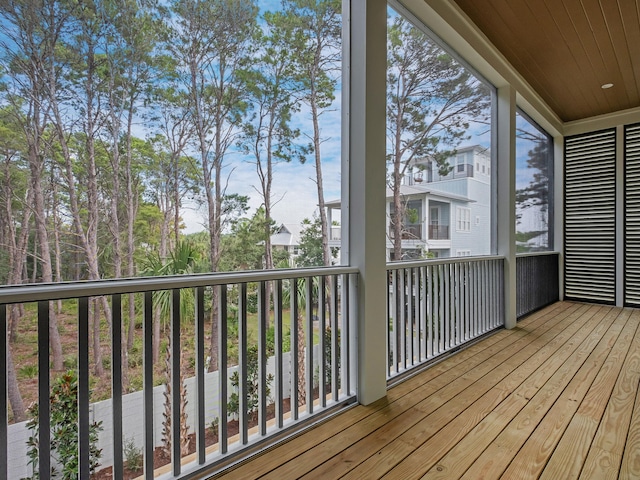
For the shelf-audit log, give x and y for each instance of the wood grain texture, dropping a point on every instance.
(567, 49)
(556, 397)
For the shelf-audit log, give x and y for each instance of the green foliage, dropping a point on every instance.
(132, 455)
(310, 248)
(328, 347)
(243, 248)
(252, 299)
(253, 397)
(70, 362)
(317, 29)
(64, 431)
(4, 267)
(29, 371)
(412, 215)
(181, 261)
(214, 426)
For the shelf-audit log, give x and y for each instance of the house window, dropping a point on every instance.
(463, 219)
(463, 253)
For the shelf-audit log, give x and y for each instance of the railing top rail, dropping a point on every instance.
(93, 288)
(537, 254)
(441, 261)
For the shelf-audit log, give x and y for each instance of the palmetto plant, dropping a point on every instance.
(63, 405)
(182, 261)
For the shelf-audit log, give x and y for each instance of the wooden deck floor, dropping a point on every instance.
(555, 398)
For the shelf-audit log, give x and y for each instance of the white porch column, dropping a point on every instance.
(558, 207)
(506, 201)
(364, 189)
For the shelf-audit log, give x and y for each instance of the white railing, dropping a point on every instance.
(435, 306)
(307, 307)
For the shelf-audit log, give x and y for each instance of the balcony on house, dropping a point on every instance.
(439, 232)
(296, 385)
(490, 366)
(409, 232)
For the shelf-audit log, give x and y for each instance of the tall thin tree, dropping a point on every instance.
(431, 101)
(212, 42)
(316, 48)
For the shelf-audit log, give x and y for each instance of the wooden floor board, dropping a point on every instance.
(555, 397)
(532, 457)
(603, 460)
(630, 467)
(508, 394)
(480, 441)
(567, 460)
(439, 375)
(493, 371)
(499, 454)
(435, 392)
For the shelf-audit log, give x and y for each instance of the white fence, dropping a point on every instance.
(132, 417)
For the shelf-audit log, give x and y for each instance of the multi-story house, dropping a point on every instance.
(446, 215)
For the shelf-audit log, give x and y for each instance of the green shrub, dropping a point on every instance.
(70, 362)
(253, 394)
(64, 431)
(214, 426)
(29, 371)
(132, 455)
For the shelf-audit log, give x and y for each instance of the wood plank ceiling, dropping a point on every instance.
(568, 49)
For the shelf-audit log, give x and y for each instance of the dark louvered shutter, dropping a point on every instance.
(590, 230)
(632, 215)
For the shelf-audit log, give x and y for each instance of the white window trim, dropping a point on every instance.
(463, 219)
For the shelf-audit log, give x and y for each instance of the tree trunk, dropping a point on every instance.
(34, 261)
(18, 244)
(36, 165)
(92, 211)
(157, 317)
(302, 381)
(214, 200)
(324, 225)
(213, 347)
(56, 234)
(132, 207)
(13, 390)
(398, 214)
(176, 198)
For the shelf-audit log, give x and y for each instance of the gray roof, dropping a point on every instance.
(288, 234)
